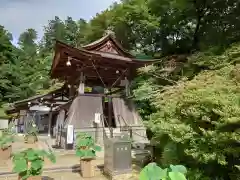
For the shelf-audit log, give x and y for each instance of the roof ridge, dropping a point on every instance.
(109, 35)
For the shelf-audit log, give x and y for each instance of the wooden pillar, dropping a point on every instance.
(16, 122)
(62, 95)
(127, 87)
(81, 87)
(25, 122)
(71, 91)
(110, 114)
(50, 120)
(110, 110)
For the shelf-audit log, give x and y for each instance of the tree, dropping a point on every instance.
(196, 122)
(55, 30)
(6, 46)
(7, 60)
(83, 27)
(134, 25)
(27, 42)
(71, 27)
(97, 26)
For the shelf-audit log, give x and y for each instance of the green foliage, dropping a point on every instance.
(85, 146)
(154, 172)
(28, 45)
(6, 138)
(30, 162)
(194, 121)
(202, 117)
(31, 131)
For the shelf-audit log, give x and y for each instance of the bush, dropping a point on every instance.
(29, 162)
(85, 146)
(202, 118)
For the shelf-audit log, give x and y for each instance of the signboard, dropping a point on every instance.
(97, 119)
(124, 82)
(81, 88)
(70, 132)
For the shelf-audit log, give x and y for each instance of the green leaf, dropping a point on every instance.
(152, 172)
(79, 153)
(177, 176)
(20, 165)
(17, 156)
(40, 152)
(178, 168)
(163, 173)
(37, 164)
(31, 155)
(51, 157)
(90, 153)
(97, 148)
(82, 142)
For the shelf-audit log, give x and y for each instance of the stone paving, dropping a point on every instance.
(76, 176)
(60, 176)
(73, 176)
(64, 161)
(62, 169)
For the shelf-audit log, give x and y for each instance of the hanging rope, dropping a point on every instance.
(98, 74)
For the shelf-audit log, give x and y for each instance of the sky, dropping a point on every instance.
(18, 15)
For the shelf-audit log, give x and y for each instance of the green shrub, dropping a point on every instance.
(202, 117)
(6, 139)
(85, 146)
(30, 162)
(31, 132)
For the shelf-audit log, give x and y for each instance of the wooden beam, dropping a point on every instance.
(97, 60)
(94, 81)
(89, 67)
(88, 72)
(110, 108)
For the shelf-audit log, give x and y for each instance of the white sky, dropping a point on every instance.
(18, 15)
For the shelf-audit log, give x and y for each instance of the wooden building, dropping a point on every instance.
(41, 109)
(105, 64)
(97, 80)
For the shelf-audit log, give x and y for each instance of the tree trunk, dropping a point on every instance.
(200, 11)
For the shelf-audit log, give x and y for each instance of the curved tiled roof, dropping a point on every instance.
(100, 42)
